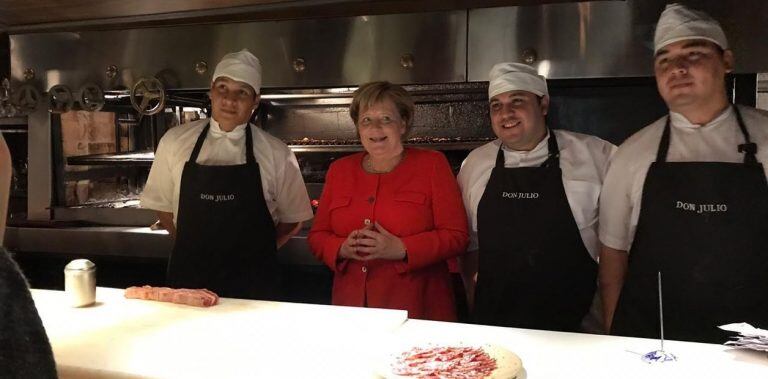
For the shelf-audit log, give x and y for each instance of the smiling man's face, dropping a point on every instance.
(517, 118)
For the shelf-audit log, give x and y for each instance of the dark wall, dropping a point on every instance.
(615, 108)
(5, 56)
(612, 109)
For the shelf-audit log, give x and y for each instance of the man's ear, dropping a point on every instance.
(211, 89)
(729, 60)
(256, 99)
(544, 104)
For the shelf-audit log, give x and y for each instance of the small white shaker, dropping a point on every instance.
(80, 282)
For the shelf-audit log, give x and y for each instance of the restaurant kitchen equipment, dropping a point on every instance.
(97, 99)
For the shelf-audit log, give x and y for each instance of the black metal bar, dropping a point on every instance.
(104, 172)
(135, 158)
(5, 56)
(745, 89)
(57, 145)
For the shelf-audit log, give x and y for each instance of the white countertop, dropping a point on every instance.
(547, 354)
(124, 338)
(127, 338)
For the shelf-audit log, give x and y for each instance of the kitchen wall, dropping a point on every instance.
(762, 91)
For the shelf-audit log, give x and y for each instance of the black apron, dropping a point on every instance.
(534, 270)
(704, 225)
(225, 239)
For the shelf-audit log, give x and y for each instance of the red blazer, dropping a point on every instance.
(420, 202)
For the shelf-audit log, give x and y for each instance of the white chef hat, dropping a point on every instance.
(241, 66)
(510, 76)
(678, 22)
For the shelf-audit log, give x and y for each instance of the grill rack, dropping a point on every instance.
(308, 145)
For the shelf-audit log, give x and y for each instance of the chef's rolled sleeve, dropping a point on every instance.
(615, 210)
(159, 188)
(291, 195)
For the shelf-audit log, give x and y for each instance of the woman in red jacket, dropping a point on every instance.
(390, 217)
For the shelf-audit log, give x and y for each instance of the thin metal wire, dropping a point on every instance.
(661, 314)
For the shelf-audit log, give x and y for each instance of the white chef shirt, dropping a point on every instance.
(284, 189)
(716, 141)
(583, 160)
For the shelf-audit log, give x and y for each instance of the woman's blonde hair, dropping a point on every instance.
(371, 93)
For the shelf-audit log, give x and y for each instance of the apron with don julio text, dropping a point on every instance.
(534, 270)
(226, 238)
(704, 226)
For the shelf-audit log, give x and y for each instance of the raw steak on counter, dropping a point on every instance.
(194, 297)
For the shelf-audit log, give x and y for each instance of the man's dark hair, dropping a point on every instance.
(24, 348)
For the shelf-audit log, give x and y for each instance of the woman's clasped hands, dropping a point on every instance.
(372, 242)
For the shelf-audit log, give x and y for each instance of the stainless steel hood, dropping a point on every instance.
(564, 40)
(601, 39)
(409, 48)
(20, 16)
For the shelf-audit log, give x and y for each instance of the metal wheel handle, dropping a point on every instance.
(148, 96)
(60, 99)
(26, 98)
(91, 97)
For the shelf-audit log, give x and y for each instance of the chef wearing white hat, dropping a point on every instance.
(686, 196)
(531, 198)
(230, 193)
